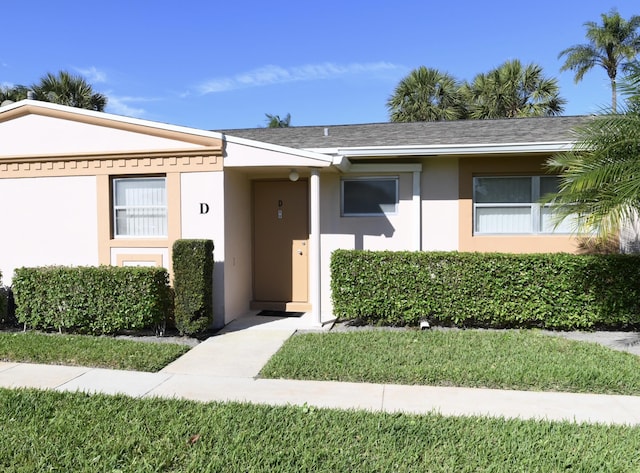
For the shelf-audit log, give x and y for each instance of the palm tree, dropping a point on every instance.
(13, 94)
(274, 121)
(612, 45)
(600, 177)
(512, 90)
(426, 94)
(67, 89)
(630, 87)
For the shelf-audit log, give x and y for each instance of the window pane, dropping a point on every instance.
(140, 207)
(547, 222)
(501, 190)
(137, 192)
(141, 222)
(369, 196)
(503, 219)
(549, 185)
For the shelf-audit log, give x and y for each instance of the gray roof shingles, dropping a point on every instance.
(460, 132)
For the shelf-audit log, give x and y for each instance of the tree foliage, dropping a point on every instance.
(274, 121)
(426, 94)
(13, 94)
(68, 89)
(513, 90)
(63, 88)
(612, 45)
(508, 91)
(600, 176)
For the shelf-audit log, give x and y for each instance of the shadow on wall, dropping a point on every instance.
(218, 295)
(7, 307)
(382, 227)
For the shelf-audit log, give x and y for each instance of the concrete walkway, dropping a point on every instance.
(224, 368)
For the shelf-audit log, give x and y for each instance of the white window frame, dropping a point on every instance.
(535, 208)
(382, 213)
(119, 207)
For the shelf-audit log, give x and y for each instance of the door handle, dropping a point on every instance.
(299, 252)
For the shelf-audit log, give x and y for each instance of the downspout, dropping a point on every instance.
(314, 248)
(417, 211)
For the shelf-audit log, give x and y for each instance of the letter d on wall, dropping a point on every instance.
(204, 208)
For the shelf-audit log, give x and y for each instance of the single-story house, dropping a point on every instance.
(86, 188)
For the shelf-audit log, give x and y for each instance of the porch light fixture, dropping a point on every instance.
(293, 175)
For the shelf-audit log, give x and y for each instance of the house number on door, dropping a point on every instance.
(280, 209)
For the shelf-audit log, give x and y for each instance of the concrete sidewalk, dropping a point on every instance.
(224, 368)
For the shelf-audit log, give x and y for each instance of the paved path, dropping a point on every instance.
(224, 368)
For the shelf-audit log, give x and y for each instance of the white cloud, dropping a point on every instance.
(269, 75)
(92, 74)
(121, 106)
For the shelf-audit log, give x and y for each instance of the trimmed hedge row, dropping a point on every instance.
(553, 291)
(3, 301)
(97, 300)
(193, 285)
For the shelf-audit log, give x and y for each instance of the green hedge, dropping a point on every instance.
(3, 301)
(193, 285)
(97, 300)
(554, 291)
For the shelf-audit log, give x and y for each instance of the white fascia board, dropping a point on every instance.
(329, 151)
(383, 167)
(341, 163)
(440, 150)
(318, 159)
(111, 117)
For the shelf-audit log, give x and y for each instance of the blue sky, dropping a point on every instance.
(216, 65)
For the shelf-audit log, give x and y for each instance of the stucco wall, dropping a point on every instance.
(57, 136)
(238, 249)
(507, 166)
(392, 232)
(440, 204)
(48, 221)
(202, 213)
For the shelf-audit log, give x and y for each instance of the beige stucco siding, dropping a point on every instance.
(202, 214)
(48, 221)
(439, 204)
(389, 232)
(238, 245)
(259, 155)
(503, 166)
(56, 136)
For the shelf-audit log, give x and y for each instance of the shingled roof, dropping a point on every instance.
(460, 132)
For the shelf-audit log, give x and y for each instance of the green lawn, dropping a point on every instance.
(51, 431)
(523, 360)
(82, 350)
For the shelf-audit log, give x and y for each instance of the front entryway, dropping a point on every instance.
(280, 245)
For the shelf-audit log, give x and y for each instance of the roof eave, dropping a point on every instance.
(440, 150)
(319, 159)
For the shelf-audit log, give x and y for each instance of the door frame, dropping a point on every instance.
(289, 306)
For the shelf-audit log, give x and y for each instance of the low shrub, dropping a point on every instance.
(193, 285)
(7, 307)
(4, 298)
(96, 300)
(554, 291)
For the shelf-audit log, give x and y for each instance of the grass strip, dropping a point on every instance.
(83, 350)
(51, 431)
(522, 360)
